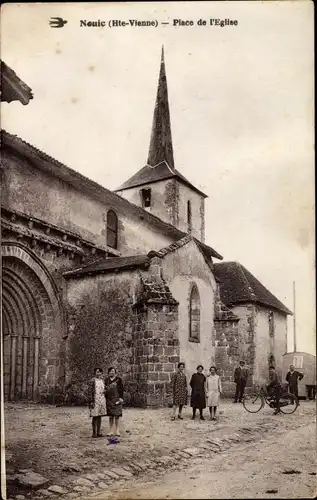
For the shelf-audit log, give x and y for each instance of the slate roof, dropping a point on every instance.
(12, 87)
(161, 145)
(238, 285)
(149, 175)
(83, 184)
(160, 163)
(102, 266)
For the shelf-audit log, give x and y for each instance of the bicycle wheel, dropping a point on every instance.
(288, 403)
(253, 402)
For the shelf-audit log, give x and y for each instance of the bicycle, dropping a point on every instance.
(255, 401)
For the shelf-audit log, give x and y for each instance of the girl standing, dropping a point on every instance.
(198, 396)
(213, 391)
(114, 396)
(179, 387)
(97, 401)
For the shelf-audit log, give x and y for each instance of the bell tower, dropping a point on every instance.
(158, 187)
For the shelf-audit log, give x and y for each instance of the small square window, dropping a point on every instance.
(146, 197)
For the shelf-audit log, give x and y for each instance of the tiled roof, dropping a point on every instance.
(12, 88)
(238, 285)
(148, 175)
(83, 184)
(102, 266)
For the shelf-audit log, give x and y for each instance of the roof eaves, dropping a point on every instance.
(91, 187)
(126, 185)
(208, 250)
(260, 302)
(16, 86)
(183, 179)
(90, 270)
(143, 183)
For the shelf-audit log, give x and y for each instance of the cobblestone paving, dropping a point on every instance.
(280, 466)
(56, 443)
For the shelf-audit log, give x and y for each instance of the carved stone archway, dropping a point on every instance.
(32, 327)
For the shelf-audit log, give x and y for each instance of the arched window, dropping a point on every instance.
(189, 216)
(194, 315)
(112, 229)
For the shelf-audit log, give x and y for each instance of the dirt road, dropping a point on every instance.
(56, 443)
(283, 467)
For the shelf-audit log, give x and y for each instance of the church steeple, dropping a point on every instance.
(161, 147)
(158, 187)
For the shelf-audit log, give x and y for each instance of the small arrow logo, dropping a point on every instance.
(57, 22)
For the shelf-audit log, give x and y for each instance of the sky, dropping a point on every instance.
(241, 104)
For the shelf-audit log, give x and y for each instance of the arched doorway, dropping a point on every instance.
(31, 327)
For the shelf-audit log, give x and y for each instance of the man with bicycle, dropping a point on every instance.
(274, 388)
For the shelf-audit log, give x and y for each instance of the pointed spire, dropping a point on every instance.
(161, 147)
(162, 55)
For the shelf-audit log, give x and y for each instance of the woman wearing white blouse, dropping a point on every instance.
(213, 391)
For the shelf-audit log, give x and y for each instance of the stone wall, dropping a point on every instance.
(155, 338)
(61, 204)
(197, 210)
(169, 202)
(182, 268)
(156, 353)
(227, 344)
(101, 324)
(267, 346)
(247, 314)
(34, 345)
(255, 346)
(164, 199)
(127, 320)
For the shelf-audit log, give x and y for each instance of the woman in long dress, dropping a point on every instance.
(114, 398)
(198, 396)
(179, 388)
(97, 401)
(213, 391)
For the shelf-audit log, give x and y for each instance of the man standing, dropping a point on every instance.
(240, 378)
(274, 388)
(292, 378)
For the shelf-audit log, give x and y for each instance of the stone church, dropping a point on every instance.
(92, 277)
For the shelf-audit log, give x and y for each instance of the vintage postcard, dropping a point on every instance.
(157, 250)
